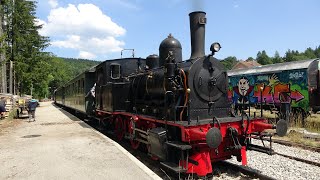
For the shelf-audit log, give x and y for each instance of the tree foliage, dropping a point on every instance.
(36, 72)
(263, 58)
(64, 69)
(26, 47)
(229, 62)
(276, 58)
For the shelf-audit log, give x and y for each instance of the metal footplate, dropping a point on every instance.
(173, 167)
(178, 145)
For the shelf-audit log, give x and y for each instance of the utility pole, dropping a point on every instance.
(3, 70)
(12, 88)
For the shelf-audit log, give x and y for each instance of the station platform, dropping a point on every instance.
(60, 146)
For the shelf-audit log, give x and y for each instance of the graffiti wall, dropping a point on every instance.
(273, 88)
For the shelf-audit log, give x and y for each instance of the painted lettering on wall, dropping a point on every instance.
(272, 90)
(296, 75)
(262, 78)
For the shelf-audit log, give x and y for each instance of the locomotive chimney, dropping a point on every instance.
(197, 31)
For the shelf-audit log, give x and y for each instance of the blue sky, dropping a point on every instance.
(99, 29)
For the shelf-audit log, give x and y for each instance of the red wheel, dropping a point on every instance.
(119, 128)
(134, 143)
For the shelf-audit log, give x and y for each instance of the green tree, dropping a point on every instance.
(250, 59)
(289, 56)
(310, 53)
(26, 47)
(229, 62)
(317, 52)
(263, 58)
(296, 56)
(277, 58)
(59, 73)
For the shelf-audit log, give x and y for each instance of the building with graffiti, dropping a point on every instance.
(295, 83)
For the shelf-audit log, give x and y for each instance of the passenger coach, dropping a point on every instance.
(75, 93)
(295, 83)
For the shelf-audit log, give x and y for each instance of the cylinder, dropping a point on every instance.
(197, 33)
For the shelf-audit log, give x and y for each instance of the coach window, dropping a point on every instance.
(82, 85)
(115, 71)
(79, 86)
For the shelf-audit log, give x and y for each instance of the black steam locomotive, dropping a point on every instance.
(178, 110)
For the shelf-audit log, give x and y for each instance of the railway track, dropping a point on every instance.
(293, 144)
(252, 173)
(299, 159)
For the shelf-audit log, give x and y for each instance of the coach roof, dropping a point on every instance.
(302, 64)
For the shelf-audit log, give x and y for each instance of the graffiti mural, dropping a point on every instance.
(243, 92)
(276, 88)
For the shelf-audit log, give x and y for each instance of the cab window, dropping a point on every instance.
(115, 71)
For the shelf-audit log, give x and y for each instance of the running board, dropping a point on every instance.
(178, 145)
(173, 167)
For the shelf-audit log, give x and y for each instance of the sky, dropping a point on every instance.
(100, 29)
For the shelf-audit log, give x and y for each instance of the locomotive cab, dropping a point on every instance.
(314, 85)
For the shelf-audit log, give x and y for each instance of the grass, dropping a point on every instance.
(297, 137)
(265, 113)
(313, 123)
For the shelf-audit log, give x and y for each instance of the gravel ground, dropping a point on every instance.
(283, 168)
(292, 151)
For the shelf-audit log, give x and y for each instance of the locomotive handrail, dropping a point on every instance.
(186, 91)
(128, 50)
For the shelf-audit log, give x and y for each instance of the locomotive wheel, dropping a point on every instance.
(119, 128)
(134, 144)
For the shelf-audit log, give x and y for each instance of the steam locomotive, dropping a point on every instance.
(178, 110)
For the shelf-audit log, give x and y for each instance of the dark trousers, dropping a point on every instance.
(31, 113)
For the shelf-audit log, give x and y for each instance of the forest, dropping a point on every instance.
(41, 72)
(35, 69)
(263, 58)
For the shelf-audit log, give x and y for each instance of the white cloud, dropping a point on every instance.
(84, 28)
(93, 45)
(53, 3)
(72, 42)
(86, 55)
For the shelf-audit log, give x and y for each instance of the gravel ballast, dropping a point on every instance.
(280, 167)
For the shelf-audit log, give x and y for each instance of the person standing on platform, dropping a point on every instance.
(32, 109)
(2, 107)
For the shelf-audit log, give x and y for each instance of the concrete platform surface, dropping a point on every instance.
(59, 146)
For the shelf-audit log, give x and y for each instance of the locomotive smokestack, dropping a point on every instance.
(197, 31)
